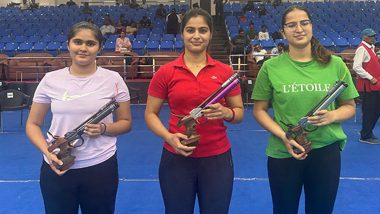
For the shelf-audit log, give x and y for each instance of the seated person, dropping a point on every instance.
(257, 55)
(145, 22)
(251, 33)
(123, 44)
(276, 35)
(131, 29)
(161, 12)
(263, 34)
(279, 49)
(107, 28)
(120, 25)
(239, 43)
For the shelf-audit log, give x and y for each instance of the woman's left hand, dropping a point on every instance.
(94, 130)
(322, 118)
(216, 111)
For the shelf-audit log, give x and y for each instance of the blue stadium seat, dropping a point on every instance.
(64, 47)
(60, 38)
(25, 47)
(152, 46)
(6, 39)
(34, 38)
(255, 41)
(327, 43)
(284, 41)
(166, 46)
(155, 37)
(354, 42)
(145, 31)
(157, 30)
(168, 37)
(47, 38)
(53, 48)
(178, 37)
(138, 47)
(109, 45)
(39, 47)
(178, 46)
(340, 44)
(20, 39)
(10, 49)
(267, 44)
(141, 37)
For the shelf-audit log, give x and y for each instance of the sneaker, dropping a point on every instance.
(370, 141)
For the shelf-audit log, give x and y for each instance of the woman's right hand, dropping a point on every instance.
(174, 141)
(290, 144)
(53, 160)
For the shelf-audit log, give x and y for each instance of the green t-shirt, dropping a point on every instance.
(294, 88)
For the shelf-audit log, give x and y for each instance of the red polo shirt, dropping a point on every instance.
(183, 91)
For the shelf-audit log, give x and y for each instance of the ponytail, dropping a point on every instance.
(320, 53)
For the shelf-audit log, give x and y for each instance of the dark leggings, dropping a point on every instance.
(370, 113)
(92, 188)
(318, 174)
(182, 178)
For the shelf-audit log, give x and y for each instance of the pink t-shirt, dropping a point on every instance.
(73, 100)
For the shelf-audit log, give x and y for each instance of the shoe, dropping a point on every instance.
(370, 141)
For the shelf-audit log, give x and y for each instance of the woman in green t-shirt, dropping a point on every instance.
(293, 83)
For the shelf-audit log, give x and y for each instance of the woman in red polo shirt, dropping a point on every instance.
(205, 170)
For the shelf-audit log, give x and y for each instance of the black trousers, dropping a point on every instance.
(93, 189)
(184, 178)
(370, 113)
(318, 174)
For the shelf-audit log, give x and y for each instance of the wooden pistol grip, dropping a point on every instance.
(56, 143)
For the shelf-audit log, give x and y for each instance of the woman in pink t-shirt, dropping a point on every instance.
(73, 95)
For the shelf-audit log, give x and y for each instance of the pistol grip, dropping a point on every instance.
(68, 161)
(193, 140)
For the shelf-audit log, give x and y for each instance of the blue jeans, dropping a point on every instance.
(184, 178)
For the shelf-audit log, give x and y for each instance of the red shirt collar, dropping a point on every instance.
(179, 62)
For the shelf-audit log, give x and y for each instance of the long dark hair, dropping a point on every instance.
(85, 25)
(194, 13)
(319, 53)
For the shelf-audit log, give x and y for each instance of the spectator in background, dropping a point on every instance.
(134, 4)
(161, 12)
(123, 44)
(107, 28)
(249, 7)
(257, 55)
(181, 15)
(108, 19)
(279, 49)
(367, 68)
(264, 34)
(251, 33)
(145, 22)
(261, 10)
(86, 8)
(239, 43)
(120, 25)
(71, 3)
(172, 23)
(219, 11)
(276, 35)
(131, 28)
